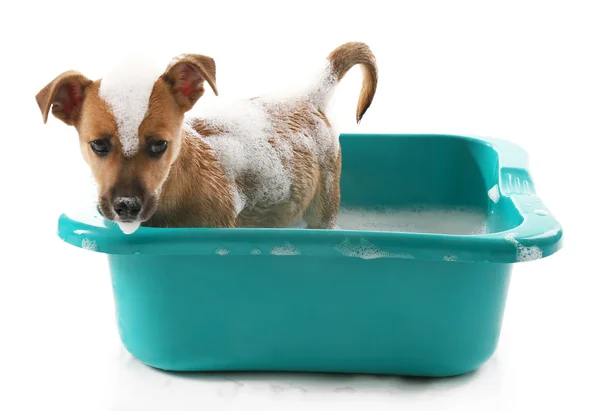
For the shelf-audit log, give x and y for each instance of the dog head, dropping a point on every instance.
(129, 126)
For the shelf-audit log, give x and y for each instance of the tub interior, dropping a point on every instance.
(432, 184)
(433, 197)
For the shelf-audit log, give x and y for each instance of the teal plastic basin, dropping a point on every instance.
(420, 304)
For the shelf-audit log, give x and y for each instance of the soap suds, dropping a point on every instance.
(524, 253)
(222, 251)
(286, 249)
(88, 244)
(450, 257)
(127, 89)
(129, 228)
(494, 194)
(239, 201)
(256, 251)
(245, 153)
(366, 251)
(255, 142)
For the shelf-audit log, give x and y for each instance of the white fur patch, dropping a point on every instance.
(126, 89)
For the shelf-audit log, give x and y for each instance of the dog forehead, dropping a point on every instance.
(126, 89)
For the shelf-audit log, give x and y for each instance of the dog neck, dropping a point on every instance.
(196, 192)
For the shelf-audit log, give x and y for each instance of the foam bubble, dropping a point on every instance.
(525, 253)
(366, 251)
(222, 251)
(129, 228)
(541, 212)
(450, 257)
(286, 249)
(494, 194)
(88, 244)
(126, 89)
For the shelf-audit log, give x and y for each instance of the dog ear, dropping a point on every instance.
(65, 95)
(186, 75)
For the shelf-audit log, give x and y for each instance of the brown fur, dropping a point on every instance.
(187, 186)
(344, 58)
(196, 194)
(66, 89)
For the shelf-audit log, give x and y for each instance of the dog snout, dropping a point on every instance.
(127, 208)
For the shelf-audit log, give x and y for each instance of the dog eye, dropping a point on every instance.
(100, 147)
(158, 147)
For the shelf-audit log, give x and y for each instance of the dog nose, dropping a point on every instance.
(127, 208)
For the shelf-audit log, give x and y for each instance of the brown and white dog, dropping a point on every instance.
(261, 162)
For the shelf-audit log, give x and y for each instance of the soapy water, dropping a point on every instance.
(431, 220)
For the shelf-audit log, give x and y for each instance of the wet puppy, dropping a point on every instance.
(260, 162)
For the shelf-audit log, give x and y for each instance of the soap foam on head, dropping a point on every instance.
(127, 89)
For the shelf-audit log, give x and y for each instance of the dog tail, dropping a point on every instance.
(340, 61)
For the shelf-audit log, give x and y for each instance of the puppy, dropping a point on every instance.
(260, 162)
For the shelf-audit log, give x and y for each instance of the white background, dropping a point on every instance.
(524, 71)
